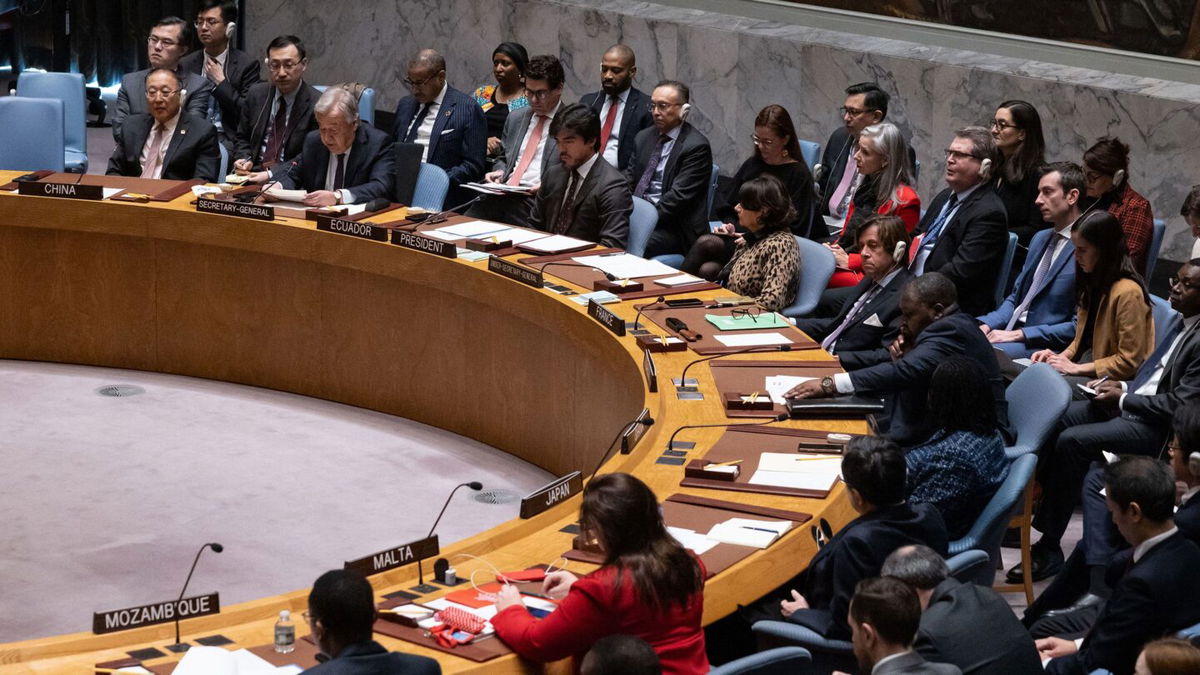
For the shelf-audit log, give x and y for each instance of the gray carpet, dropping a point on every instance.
(108, 499)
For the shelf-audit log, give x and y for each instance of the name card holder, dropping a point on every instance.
(402, 555)
(617, 287)
(159, 612)
(557, 491)
(518, 273)
(353, 228)
(418, 242)
(228, 208)
(606, 318)
(63, 190)
(485, 245)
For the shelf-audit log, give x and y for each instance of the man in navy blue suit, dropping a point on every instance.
(624, 110)
(1040, 311)
(447, 123)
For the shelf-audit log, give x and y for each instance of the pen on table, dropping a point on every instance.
(729, 463)
(760, 529)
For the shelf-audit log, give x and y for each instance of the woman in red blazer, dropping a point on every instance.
(648, 587)
(884, 186)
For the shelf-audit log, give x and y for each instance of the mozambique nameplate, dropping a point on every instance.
(159, 612)
(353, 228)
(239, 209)
(419, 242)
(519, 273)
(609, 320)
(65, 190)
(557, 491)
(392, 558)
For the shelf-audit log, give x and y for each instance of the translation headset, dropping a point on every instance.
(1118, 178)
(985, 168)
(685, 109)
(1193, 464)
(899, 250)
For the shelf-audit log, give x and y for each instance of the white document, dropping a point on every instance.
(200, 660)
(472, 256)
(679, 280)
(1023, 362)
(753, 339)
(288, 195)
(517, 235)
(249, 663)
(778, 385)
(556, 243)
(801, 474)
(625, 265)
(799, 462)
(134, 669)
(470, 229)
(601, 297)
(747, 532)
(110, 192)
(691, 539)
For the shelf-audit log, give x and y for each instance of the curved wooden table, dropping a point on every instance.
(158, 287)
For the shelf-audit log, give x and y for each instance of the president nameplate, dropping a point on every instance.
(556, 492)
(606, 318)
(518, 273)
(64, 190)
(226, 208)
(353, 228)
(418, 242)
(160, 612)
(402, 555)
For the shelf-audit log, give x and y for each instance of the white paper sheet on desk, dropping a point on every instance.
(109, 192)
(679, 280)
(778, 385)
(517, 235)
(249, 663)
(625, 265)
(472, 228)
(800, 480)
(134, 669)
(753, 339)
(471, 256)
(747, 532)
(691, 539)
(556, 243)
(793, 462)
(288, 195)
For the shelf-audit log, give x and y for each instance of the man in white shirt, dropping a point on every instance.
(624, 110)
(167, 142)
(884, 616)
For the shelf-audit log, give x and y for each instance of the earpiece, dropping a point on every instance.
(683, 111)
(182, 94)
(1118, 178)
(231, 27)
(899, 250)
(1193, 464)
(985, 168)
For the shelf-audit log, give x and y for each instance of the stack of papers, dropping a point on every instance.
(753, 339)
(799, 471)
(625, 265)
(517, 235)
(471, 256)
(202, 660)
(692, 540)
(747, 322)
(778, 385)
(556, 244)
(749, 532)
(499, 188)
(602, 297)
(679, 280)
(468, 230)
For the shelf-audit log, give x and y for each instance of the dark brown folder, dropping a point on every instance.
(748, 445)
(742, 376)
(586, 277)
(708, 345)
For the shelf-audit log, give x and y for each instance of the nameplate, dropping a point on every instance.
(392, 558)
(519, 273)
(353, 228)
(558, 491)
(65, 190)
(159, 612)
(224, 208)
(419, 242)
(609, 320)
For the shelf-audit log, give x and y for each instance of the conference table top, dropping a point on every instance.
(280, 304)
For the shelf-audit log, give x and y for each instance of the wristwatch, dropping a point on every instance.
(827, 385)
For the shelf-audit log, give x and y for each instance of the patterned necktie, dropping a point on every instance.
(828, 343)
(339, 174)
(154, 157)
(411, 136)
(609, 120)
(1039, 275)
(643, 183)
(274, 151)
(566, 213)
(531, 148)
(214, 107)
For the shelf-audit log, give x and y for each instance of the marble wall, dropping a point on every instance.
(737, 65)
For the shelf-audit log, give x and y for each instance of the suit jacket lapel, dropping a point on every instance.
(358, 151)
(585, 188)
(445, 112)
(135, 139)
(1063, 257)
(526, 119)
(626, 115)
(181, 130)
(673, 158)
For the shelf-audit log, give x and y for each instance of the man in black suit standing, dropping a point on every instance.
(276, 115)
(341, 612)
(344, 161)
(965, 231)
(671, 167)
(169, 40)
(1160, 592)
(583, 196)
(166, 142)
(624, 110)
(966, 625)
(231, 71)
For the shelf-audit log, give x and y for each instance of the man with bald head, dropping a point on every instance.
(445, 122)
(624, 110)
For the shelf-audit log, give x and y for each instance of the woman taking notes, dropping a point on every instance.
(766, 261)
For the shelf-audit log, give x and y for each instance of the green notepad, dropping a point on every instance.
(764, 320)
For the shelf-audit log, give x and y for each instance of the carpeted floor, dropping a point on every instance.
(108, 499)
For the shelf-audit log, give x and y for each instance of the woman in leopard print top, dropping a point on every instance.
(766, 262)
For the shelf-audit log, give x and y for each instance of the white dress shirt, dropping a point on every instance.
(426, 129)
(533, 172)
(610, 150)
(1150, 543)
(919, 262)
(1150, 386)
(344, 195)
(162, 149)
(654, 191)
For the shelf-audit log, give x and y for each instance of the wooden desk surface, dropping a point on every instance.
(158, 287)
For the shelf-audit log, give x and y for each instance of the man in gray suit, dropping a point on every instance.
(528, 147)
(169, 40)
(584, 196)
(884, 616)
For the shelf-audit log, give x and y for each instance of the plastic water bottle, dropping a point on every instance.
(285, 633)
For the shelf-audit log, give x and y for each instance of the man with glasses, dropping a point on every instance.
(231, 71)
(671, 167)
(448, 124)
(276, 115)
(865, 104)
(624, 109)
(169, 40)
(166, 142)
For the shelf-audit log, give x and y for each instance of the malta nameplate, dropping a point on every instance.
(392, 558)
(606, 318)
(353, 228)
(418, 242)
(65, 190)
(556, 492)
(159, 612)
(518, 273)
(224, 208)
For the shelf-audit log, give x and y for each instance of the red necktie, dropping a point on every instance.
(609, 120)
(530, 150)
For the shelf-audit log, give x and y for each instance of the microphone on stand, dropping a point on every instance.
(645, 421)
(181, 646)
(249, 197)
(563, 263)
(423, 587)
(658, 301)
(748, 350)
(670, 442)
(443, 215)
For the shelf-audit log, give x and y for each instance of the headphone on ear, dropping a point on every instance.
(685, 109)
(182, 94)
(1193, 464)
(985, 168)
(899, 251)
(1118, 178)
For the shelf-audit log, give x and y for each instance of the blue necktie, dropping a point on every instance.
(935, 230)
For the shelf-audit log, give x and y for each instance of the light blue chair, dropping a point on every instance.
(641, 226)
(224, 168)
(965, 566)
(366, 103)
(1163, 317)
(1005, 268)
(816, 644)
(432, 185)
(31, 134)
(778, 661)
(670, 259)
(1156, 239)
(1036, 399)
(987, 531)
(816, 267)
(68, 88)
(1190, 632)
(811, 152)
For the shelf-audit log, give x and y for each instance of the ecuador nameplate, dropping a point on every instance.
(353, 228)
(609, 320)
(519, 273)
(419, 242)
(159, 612)
(392, 558)
(559, 490)
(66, 190)
(224, 208)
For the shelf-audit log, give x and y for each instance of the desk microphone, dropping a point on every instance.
(474, 485)
(377, 204)
(658, 301)
(248, 197)
(443, 215)
(747, 350)
(671, 442)
(645, 421)
(217, 548)
(563, 263)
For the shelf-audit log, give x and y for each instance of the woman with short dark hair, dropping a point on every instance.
(766, 261)
(1106, 169)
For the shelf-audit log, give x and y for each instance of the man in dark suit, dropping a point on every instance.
(623, 109)
(341, 612)
(1124, 418)
(869, 320)
(276, 115)
(884, 617)
(671, 167)
(528, 147)
(582, 196)
(1040, 311)
(169, 40)
(447, 123)
(231, 71)
(344, 161)
(967, 625)
(965, 231)
(166, 142)
(931, 329)
(1159, 593)
(865, 104)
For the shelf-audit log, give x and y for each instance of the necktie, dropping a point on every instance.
(411, 136)
(1039, 275)
(214, 108)
(609, 120)
(566, 213)
(154, 157)
(828, 343)
(935, 230)
(274, 150)
(531, 148)
(651, 166)
(841, 195)
(1152, 364)
(339, 174)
